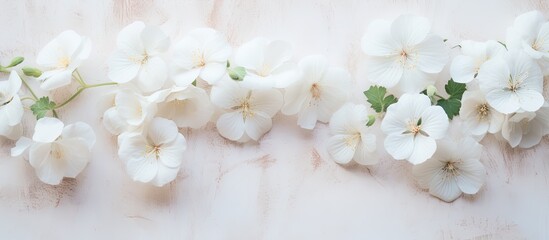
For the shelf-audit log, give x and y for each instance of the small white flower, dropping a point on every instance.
(249, 112)
(319, 91)
(403, 53)
(61, 56)
(138, 57)
(130, 112)
(412, 125)
(154, 156)
(11, 108)
(266, 63)
(455, 168)
(525, 129)
(187, 107)
(530, 33)
(465, 67)
(512, 84)
(57, 151)
(478, 114)
(201, 54)
(350, 139)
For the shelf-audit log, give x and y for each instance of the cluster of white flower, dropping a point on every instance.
(163, 87)
(495, 88)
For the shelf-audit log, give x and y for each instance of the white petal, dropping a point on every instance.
(463, 69)
(266, 101)
(142, 169)
(444, 187)
(365, 150)
(59, 48)
(400, 146)
(47, 170)
(503, 101)
(164, 175)
(162, 131)
(129, 38)
(434, 122)
(123, 67)
(14, 82)
(341, 150)
(471, 176)
(530, 100)
(213, 72)
(307, 117)
(112, 122)
(277, 53)
(231, 125)
(414, 81)
(57, 80)
(424, 148)
(132, 145)
(494, 74)
(258, 125)
(76, 155)
(217, 49)
(378, 40)
(171, 154)
(410, 30)
(21, 147)
(295, 96)
(227, 94)
(13, 111)
(47, 129)
(432, 55)
(80, 130)
(154, 40)
(130, 107)
(385, 71)
(250, 54)
(184, 77)
(425, 171)
(153, 74)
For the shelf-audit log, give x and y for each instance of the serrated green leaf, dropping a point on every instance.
(375, 95)
(42, 106)
(455, 90)
(451, 106)
(237, 73)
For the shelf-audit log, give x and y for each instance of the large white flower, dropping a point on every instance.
(203, 53)
(319, 91)
(11, 108)
(138, 57)
(61, 56)
(403, 52)
(412, 125)
(478, 115)
(455, 168)
(249, 112)
(465, 67)
(530, 33)
(266, 63)
(131, 111)
(350, 139)
(187, 106)
(57, 151)
(512, 84)
(154, 156)
(525, 129)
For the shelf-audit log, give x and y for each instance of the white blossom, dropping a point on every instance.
(11, 108)
(465, 67)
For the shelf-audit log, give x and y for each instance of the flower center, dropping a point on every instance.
(537, 44)
(414, 128)
(407, 58)
(264, 71)
(153, 149)
(56, 153)
(515, 82)
(451, 168)
(198, 58)
(352, 140)
(63, 62)
(245, 107)
(315, 91)
(482, 111)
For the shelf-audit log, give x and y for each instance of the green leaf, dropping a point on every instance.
(32, 72)
(16, 61)
(376, 97)
(455, 90)
(451, 106)
(237, 73)
(42, 106)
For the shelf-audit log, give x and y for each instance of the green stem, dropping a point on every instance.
(81, 89)
(80, 77)
(54, 113)
(29, 88)
(28, 98)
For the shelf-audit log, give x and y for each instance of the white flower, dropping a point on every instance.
(154, 156)
(187, 107)
(138, 57)
(512, 84)
(465, 67)
(130, 112)
(478, 114)
(249, 112)
(61, 56)
(350, 139)
(266, 63)
(412, 125)
(201, 54)
(11, 108)
(404, 53)
(454, 168)
(319, 91)
(525, 129)
(530, 33)
(57, 151)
